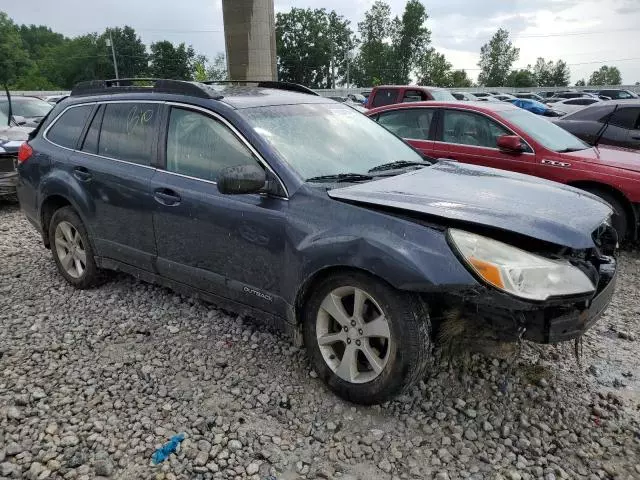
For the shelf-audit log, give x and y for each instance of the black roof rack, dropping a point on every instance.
(293, 87)
(156, 85)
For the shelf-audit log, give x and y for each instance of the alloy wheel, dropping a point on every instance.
(353, 334)
(70, 249)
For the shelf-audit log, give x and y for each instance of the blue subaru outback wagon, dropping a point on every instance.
(270, 200)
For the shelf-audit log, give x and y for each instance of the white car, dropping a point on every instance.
(570, 105)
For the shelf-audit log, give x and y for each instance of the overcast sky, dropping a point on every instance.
(584, 33)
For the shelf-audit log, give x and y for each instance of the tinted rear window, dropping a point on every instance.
(68, 127)
(384, 96)
(128, 131)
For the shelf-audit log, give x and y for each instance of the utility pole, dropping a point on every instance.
(348, 58)
(113, 53)
(333, 66)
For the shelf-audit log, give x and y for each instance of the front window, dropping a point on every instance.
(442, 95)
(544, 132)
(327, 139)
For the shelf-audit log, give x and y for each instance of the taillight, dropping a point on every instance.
(25, 152)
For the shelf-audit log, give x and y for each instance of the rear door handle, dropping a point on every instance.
(166, 196)
(82, 174)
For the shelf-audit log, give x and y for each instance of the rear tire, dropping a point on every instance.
(366, 355)
(72, 249)
(619, 219)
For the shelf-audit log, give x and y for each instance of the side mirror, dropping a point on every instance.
(510, 144)
(241, 180)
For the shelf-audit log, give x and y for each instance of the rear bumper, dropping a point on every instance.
(557, 320)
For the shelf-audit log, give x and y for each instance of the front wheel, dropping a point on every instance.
(619, 219)
(365, 339)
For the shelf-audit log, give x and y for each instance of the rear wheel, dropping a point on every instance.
(71, 249)
(619, 219)
(366, 340)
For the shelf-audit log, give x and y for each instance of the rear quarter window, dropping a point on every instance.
(67, 128)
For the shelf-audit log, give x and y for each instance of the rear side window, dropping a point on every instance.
(201, 147)
(384, 96)
(90, 143)
(68, 127)
(413, 124)
(128, 131)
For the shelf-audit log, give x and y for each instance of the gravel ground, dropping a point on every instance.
(93, 382)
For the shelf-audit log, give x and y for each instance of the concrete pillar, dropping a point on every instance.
(250, 37)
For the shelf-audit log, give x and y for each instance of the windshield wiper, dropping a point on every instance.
(398, 164)
(604, 127)
(341, 177)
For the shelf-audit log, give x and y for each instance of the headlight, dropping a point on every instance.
(520, 273)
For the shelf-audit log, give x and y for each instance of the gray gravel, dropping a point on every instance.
(93, 382)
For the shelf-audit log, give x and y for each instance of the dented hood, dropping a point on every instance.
(485, 196)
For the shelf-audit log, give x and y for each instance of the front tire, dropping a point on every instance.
(365, 339)
(72, 250)
(619, 219)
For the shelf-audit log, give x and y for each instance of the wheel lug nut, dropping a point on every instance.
(346, 329)
(348, 340)
(360, 331)
(353, 323)
(358, 342)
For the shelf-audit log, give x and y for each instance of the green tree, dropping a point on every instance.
(434, 69)
(521, 78)
(410, 40)
(606, 76)
(375, 60)
(167, 61)
(14, 58)
(312, 46)
(218, 69)
(459, 79)
(561, 75)
(131, 53)
(550, 74)
(581, 83)
(496, 59)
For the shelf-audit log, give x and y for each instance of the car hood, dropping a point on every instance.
(615, 157)
(485, 196)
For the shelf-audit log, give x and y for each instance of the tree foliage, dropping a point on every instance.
(522, 78)
(496, 59)
(581, 83)
(131, 53)
(218, 69)
(14, 58)
(410, 40)
(310, 43)
(606, 75)
(550, 74)
(459, 79)
(168, 61)
(434, 69)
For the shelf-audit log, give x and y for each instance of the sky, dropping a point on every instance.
(584, 33)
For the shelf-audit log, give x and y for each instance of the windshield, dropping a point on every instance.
(544, 132)
(327, 139)
(442, 95)
(26, 107)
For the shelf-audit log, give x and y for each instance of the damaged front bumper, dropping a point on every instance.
(552, 321)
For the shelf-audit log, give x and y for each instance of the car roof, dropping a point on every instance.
(474, 106)
(413, 87)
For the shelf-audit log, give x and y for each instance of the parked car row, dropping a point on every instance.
(275, 202)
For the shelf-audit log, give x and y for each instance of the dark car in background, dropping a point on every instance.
(26, 111)
(300, 211)
(390, 94)
(616, 94)
(11, 138)
(500, 135)
(599, 121)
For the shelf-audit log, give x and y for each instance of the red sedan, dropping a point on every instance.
(502, 136)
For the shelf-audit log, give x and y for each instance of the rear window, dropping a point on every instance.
(128, 131)
(68, 127)
(384, 96)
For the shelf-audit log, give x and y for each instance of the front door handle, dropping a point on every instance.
(166, 196)
(82, 174)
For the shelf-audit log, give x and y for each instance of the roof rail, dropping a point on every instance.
(157, 85)
(293, 87)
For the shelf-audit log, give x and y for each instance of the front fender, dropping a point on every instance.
(413, 258)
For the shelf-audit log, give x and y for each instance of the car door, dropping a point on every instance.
(413, 125)
(623, 125)
(231, 246)
(113, 164)
(471, 137)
